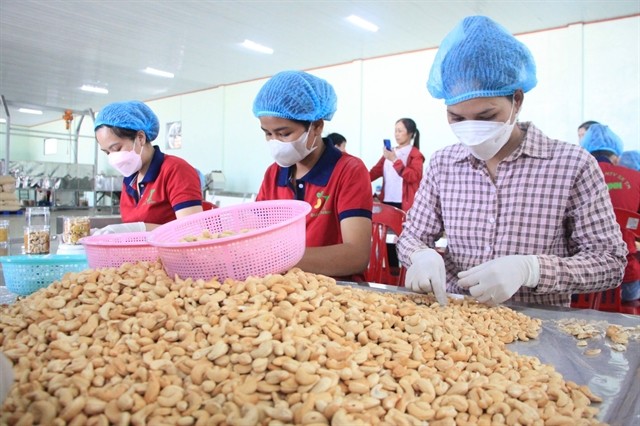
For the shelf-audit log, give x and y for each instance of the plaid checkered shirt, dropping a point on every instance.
(549, 199)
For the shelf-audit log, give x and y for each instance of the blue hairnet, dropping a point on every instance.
(480, 58)
(630, 159)
(132, 115)
(296, 95)
(600, 138)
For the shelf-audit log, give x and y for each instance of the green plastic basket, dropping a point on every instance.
(26, 274)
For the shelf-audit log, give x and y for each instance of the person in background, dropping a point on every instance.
(582, 129)
(338, 141)
(203, 181)
(292, 107)
(630, 160)
(157, 188)
(624, 190)
(401, 167)
(516, 228)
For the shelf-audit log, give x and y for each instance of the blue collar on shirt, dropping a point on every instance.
(603, 159)
(320, 173)
(150, 176)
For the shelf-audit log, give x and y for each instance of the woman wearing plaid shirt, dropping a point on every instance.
(527, 217)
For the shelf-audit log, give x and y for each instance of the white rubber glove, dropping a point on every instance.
(497, 280)
(120, 228)
(6, 377)
(427, 273)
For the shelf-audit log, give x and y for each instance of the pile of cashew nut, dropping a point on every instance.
(133, 346)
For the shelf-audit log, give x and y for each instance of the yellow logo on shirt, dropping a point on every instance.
(149, 200)
(321, 199)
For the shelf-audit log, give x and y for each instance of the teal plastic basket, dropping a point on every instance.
(26, 274)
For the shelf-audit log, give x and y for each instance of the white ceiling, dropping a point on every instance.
(49, 48)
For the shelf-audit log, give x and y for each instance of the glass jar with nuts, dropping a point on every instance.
(75, 228)
(4, 232)
(36, 239)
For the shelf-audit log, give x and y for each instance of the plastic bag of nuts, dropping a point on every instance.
(36, 239)
(75, 228)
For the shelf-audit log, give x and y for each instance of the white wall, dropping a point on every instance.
(584, 72)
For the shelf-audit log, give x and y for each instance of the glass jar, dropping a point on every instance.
(37, 239)
(74, 228)
(37, 216)
(4, 232)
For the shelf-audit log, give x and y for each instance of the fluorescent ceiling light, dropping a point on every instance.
(356, 20)
(2, 120)
(30, 111)
(257, 47)
(159, 73)
(94, 89)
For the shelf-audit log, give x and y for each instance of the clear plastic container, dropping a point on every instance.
(74, 228)
(4, 232)
(37, 239)
(37, 216)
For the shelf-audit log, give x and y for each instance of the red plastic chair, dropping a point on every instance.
(206, 205)
(611, 300)
(384, 218)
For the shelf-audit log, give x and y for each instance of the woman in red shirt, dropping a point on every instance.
(400, 168)
(292, 108)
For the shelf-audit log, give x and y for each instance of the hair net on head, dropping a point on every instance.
(630, 159)
(601, 138)
(480, 58)
(132, 115)
(296, 95)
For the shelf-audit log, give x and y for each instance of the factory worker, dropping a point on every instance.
(292, 107)
(624, 190)
(157, 187)
(527, 217)
(630, 160)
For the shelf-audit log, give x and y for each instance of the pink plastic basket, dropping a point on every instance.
(275, 241)
(112, 250)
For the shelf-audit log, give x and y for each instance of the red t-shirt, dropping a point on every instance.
(170, 184)
(624, 190)
(337, 187)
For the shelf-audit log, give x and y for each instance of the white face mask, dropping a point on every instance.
(126, 162)
(484, 138)
(286, 154)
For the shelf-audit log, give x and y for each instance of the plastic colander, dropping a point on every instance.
(112, 250)
(270, 238)
(26, 274)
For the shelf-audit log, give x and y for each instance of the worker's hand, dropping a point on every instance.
(119, 228)
(427, 273)
(389, 155)
(6, 377)
(497, 280)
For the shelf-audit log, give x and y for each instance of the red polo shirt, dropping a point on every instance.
(624, 190)
(170, 184)
(337, 187)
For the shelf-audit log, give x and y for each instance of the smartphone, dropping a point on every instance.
(387, 144)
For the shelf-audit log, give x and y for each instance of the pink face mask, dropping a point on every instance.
(126, 162)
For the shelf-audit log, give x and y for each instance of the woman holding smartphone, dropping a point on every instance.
(401, 167)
